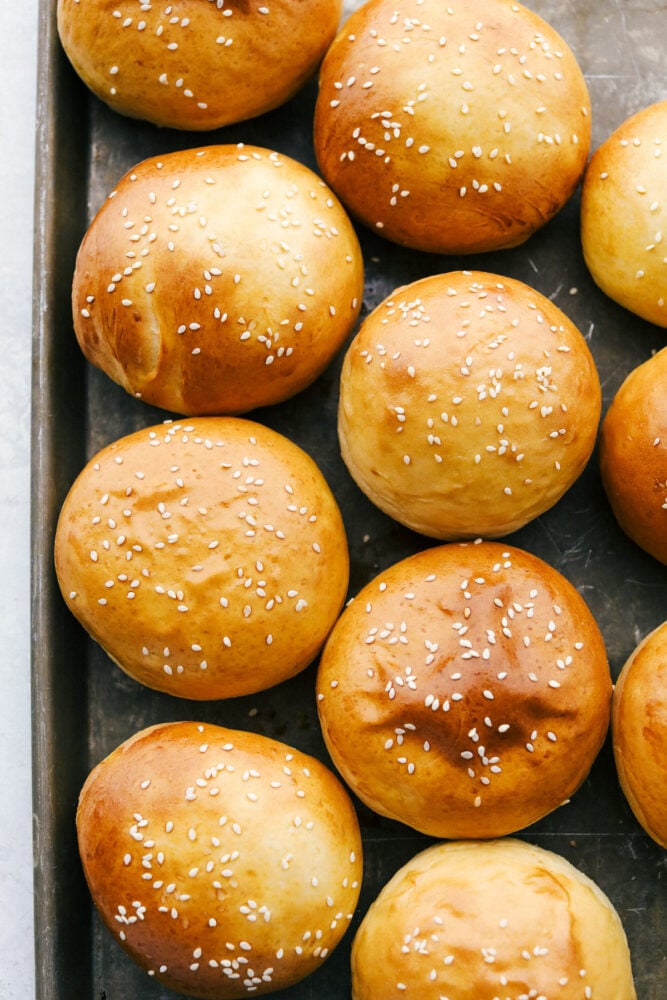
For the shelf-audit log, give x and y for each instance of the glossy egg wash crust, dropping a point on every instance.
(469, 404)
(498, 920)
(216, 280)
(225, 863)
(465, 691)
(196, 64)
(209, 559)
(624, 205)
(452, 127)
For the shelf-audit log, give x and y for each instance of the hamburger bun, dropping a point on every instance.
(633, 455)
(198, 65)
(624, 214)
(453, 128)
(639, 729)
(225, 863)
(208, 558)
(469, 404)
(490, 920)
(465, 692)
(217, 280)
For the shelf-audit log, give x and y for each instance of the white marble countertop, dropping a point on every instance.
(18, 67)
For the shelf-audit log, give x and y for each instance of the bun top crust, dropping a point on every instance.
(208, 558)
(452, 128)
(633, 455)
(196, 65)
(639, 729)
(465, 691)
(225, 863)
(217, 280)
(469, 404)
(624, 214)
(476, 920)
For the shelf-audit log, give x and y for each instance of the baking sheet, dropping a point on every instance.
(83, 706)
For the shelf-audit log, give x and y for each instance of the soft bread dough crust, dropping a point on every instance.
(225, 863)
(469, 404)
(451, 127)
(633, 455)
(624, 214)
(216, 280)
(196, 64)
(479, 921)
(465, 691)
(639, 729)
(208, 558)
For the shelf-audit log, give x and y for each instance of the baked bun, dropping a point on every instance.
(624, 214)
(225, 863)
(217, 280)
(208, 559)
(451, 127)
(197, 65)
(484, 921)
(465, 691)
(633, 455)
(639, 728)
(469, 404)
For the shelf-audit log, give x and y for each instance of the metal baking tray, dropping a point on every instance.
(83, 706)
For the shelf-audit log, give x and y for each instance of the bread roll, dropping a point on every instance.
(489, 921)
(217, 280)
(451, 127)
(624, 214)
(197, 65)
(469, 404)
(226, 864)
(639, 728)
(633, 455)
(208, 558)
(465, 691)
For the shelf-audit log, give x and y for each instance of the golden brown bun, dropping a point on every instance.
(633, 455)
(217, 280)
(225, 863)
(208, 558)
(451, 127)
(624, 214)
(484, 921)
(465, 691)
(196, 65)
(469, 404)
(639, 728)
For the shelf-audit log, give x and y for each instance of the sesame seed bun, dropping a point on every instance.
(208, 559)
(469, 404)
(225, 863)
(198, 65)
(624, 214)
(633, 455)
(481, 921)
(639, 729)
(465, 691)
(217, 280)
(453, 128)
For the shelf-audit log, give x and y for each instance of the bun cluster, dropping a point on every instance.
(225, 863)
(209, 559)
(451, 127)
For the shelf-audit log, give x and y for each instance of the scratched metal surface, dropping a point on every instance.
(84, 706)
